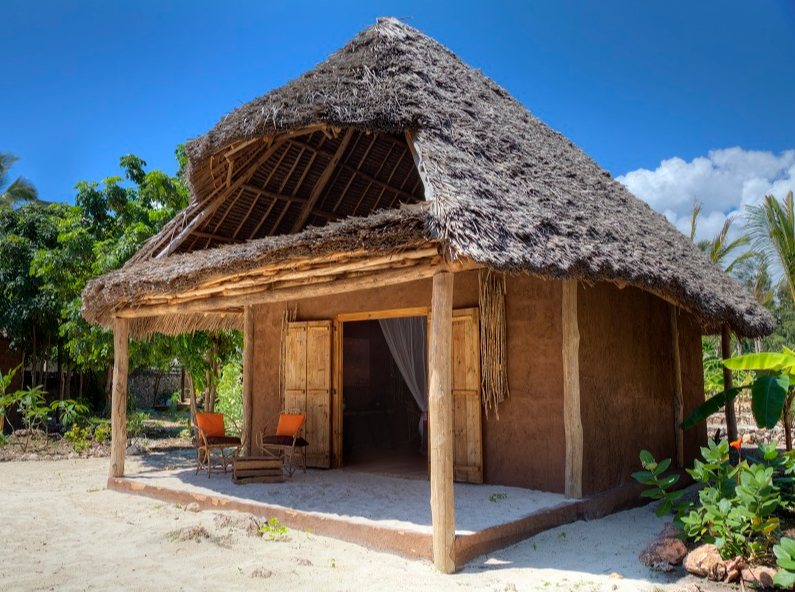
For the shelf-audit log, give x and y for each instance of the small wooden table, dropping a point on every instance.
(257, 469)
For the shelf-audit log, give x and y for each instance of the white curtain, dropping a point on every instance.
(408, 343)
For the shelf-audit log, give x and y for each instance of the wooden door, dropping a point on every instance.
(465, 384)
(318, 394)
(295, 367)
(307, 384)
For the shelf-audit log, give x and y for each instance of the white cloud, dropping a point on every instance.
(724, 181)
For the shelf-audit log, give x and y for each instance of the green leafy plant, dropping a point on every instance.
(660, 487)
(495, 497)
(79, 438)
(736, 505)
(102, 432)
(785, 559)
(772, 391)
(274, 530)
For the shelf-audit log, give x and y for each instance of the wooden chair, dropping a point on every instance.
(282, 439)
(212, 443)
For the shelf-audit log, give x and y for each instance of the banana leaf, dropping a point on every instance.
(763, 361)
(710, 406)
(768, 394)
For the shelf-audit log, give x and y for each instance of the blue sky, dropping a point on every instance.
(635, 84)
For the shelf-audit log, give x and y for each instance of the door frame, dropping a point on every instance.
(336, 368)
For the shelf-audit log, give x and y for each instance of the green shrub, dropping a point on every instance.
(102, 432)
(229, 397)
(79, 438)
(737, 505)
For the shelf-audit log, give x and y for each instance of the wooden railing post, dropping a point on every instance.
(118, 444)
(440, 414)
(248, 378)
(572, 421)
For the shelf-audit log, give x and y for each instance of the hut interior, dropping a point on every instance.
(383, 429)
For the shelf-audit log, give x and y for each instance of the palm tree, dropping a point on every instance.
(720, 250)
(771, 226)
(19, 190)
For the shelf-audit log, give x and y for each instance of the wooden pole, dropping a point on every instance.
(726, 353)
(248, 377)
(440, 413)
(679, 402)
(572, 421)
(118, 444)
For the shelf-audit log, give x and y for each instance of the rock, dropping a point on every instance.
(705, 561)
(261, 572)
(193, 507)
(615, 576)
(34, 457)
(747, 438)
(134, 450)
(664, 551)
(733, 568)
(760, 575)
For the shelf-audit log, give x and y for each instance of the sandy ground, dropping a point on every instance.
(62, 530)
(375, 500)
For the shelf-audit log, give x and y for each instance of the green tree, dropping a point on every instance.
(13, 192)
(771, 226)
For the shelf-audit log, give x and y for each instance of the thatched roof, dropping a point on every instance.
(506, 191)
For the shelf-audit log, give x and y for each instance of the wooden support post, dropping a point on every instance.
(248, 378)
(440, 414)
(679, 403)
(572, 422)
(726, 353)
(118, 418)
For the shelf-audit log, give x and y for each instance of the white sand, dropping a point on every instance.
(62, 530)
(377, 500)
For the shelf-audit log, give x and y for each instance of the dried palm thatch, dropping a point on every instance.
(504, 190)
(493, 341)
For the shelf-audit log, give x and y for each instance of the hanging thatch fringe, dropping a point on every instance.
(493, 341)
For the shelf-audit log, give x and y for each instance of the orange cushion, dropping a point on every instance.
(212, 424)
(289, 424)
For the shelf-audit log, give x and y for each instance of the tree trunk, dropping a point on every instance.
(182, 386)
(33, 360)
(758, 344)
(731, 416)
(194, 406)
(68, 383)
(80, 388)
(59, 371)
(109, 386)
(157, 385)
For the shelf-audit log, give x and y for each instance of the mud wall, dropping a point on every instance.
(627, 382)
(625, 364)
(525, 447)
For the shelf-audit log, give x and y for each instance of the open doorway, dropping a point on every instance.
(384, 396)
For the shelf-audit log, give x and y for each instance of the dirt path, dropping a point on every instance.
(62, 530)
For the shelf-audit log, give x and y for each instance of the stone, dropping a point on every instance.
(193, 507)
(733, 568)
(261, 572)
(760, 575)
(747, 438)
(664, 551)
(690, 588)
(134, 450)
(705, 561)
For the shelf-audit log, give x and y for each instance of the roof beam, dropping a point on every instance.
(356, 171)
(323, 181)
(211, 207)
